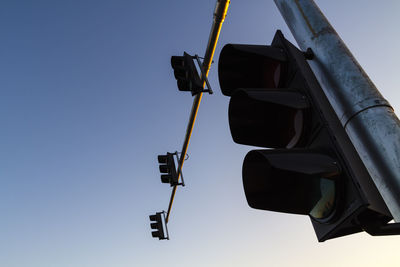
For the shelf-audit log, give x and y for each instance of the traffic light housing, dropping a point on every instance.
(156, 223)
(186, 74)
(168, 169)
(311, 167)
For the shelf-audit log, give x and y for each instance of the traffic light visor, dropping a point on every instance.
(164, 169)
(162, 158)
(250, 66)
(166, 178)
(177, 61)
(295, 181)
(155, 234)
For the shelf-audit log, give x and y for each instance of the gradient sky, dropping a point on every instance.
(88, 100)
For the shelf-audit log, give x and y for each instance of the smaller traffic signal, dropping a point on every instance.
(186, 74)
(168, 169)
(157, 224)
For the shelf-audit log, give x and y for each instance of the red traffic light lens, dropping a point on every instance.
(251, 66)
(162, 158)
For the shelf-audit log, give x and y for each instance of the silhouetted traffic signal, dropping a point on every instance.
(168, 169)
(186, 74)
(313, 168)
(157, 224)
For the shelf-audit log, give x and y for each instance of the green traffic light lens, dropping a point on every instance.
(292, 181)
(325, 204)
(166, 178)
(155, 234)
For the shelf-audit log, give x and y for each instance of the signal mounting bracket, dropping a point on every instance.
(179, 168)
(165, 223)
(203, 76)
(308, 54)
(378, 229)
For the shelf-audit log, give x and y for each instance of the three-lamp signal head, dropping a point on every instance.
(310, 166)
(186, 74)
(158, 223)
(269, 107)
(168, 169)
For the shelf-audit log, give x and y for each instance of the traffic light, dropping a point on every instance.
(186, 74)
(157, 224)
(168, 169)
(311, 167)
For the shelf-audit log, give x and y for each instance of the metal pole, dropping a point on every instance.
(366, 116)
(221, 8)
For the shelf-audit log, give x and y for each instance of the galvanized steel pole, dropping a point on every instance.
(367, 117)
(221, 8)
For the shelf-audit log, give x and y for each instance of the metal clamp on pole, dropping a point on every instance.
(179, 169)
(203, 76)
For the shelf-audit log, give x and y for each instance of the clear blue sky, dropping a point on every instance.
(88, 100)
